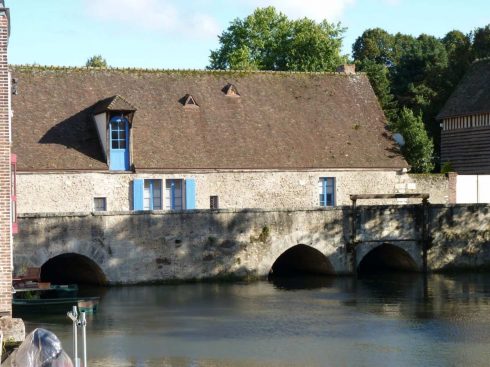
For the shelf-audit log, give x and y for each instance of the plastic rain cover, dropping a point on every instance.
(41, 348)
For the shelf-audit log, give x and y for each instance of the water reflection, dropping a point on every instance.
(389, 320)
(292, 283)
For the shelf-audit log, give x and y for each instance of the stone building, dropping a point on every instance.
(5, 171)
(124, 139)
(465, 136)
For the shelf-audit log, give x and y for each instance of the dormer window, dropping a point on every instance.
(119, 152)
(190, 102)
(231, 91)
(113, 118)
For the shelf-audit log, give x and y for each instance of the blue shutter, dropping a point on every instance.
(324, 191)
(190, 194)
(138, 185)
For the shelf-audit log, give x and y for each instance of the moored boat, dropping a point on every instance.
(47, 298)
(49, 291)
(55, 305)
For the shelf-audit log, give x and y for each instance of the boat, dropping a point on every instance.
(47, 298)
(55, 305)
(46, 290)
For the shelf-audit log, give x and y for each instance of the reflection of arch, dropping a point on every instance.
(301, 259)
(72, 268)
(387, 258)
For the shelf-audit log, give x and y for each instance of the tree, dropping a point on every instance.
(418, 149)
(419, 71)
(378, 75)
(268, 40)
(375, 45)
(481, 42)
(96, 61)
(458, 49)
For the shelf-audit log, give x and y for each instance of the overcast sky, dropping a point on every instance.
(180, 34)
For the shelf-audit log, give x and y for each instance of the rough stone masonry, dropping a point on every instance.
(128, 248)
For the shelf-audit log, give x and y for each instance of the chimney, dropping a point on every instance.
(347, 69)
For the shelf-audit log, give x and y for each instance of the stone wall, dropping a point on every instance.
(150, 247)
(75, 192)
(161, 246)
(460, 237)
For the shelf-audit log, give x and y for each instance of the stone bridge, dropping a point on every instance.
(145, 247)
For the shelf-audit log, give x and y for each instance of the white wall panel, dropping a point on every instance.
(484, 189)
(466, 189)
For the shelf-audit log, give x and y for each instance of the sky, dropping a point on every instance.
(171, 34)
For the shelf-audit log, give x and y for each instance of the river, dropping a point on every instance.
(384, 320)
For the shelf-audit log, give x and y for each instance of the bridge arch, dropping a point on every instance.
(301, 259)
(70, 268)
(387, 258)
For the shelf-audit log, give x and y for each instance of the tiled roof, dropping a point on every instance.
(472, 95)
(114, 103)
(278, 121)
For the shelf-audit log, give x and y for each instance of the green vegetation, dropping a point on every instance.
(418, 149)
(269, 40)
(263, 236)
(96, 61)
(447, 167)
(417, 73)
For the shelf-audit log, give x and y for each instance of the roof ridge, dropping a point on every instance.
(161, 70)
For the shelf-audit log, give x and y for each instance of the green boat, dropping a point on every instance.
(52, 291)
(55, 305)
(52, 299)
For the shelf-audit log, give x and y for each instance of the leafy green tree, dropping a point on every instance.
(481, 42)
(418, 149)
(268, 40)
(378, 75)
(96, 61)
(403, 44)
(419, 71)
(375, 45)
(458, 49)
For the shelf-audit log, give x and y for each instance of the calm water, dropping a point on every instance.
(382, 321)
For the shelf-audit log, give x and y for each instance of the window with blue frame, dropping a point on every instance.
(152, 195)
(326, 188)
(149, 194)
(119, 144)
(118, 133)
(173, 194)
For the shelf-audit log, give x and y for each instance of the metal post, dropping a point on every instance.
(353, 239)
(73, 315)
(425, 233)
(83, 322)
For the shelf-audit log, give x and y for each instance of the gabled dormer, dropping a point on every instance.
(114, 118)
(188, 101)
(230, 90)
